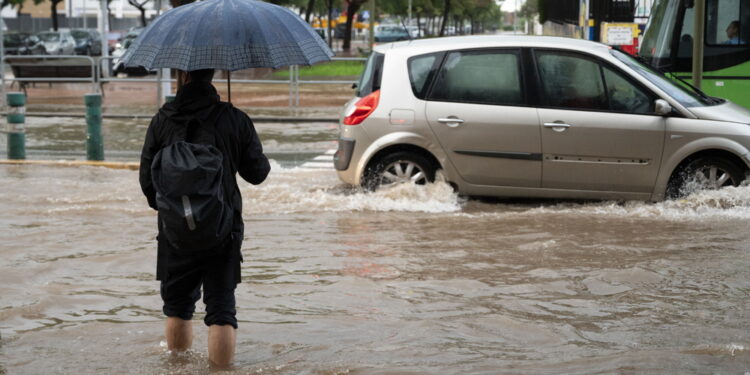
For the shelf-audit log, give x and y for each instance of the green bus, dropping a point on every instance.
(668, 45)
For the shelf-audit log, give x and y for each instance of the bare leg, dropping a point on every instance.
(179, 334)
(221, 341)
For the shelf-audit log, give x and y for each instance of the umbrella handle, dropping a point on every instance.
(229, 86)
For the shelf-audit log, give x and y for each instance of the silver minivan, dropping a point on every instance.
(522, 116)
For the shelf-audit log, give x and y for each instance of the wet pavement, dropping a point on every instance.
(407, 280)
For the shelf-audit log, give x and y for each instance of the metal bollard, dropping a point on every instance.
(94, 141)
(16, 125)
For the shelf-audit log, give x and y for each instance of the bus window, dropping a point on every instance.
(685, 46)
(727, 22)
(656, 44)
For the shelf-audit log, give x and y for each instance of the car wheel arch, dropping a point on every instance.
(403, 147)
(714, 152)
(394, 142)
(731, 154)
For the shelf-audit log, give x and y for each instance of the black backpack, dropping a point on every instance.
(195, 212)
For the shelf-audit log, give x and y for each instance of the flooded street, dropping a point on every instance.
(406, 280)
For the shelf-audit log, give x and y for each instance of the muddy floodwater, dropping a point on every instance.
(407, 280)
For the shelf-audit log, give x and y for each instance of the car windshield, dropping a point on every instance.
(686, 95)
(79, 34)
(392, 30)
(49, 37)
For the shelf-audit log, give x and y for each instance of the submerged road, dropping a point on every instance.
(407, 280)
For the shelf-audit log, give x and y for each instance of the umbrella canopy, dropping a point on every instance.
(227, 35)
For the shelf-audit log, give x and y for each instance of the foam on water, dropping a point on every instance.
(301, 190)
(729, 203)
(305, 190)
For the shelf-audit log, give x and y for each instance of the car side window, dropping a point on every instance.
(420, 70)
(570, 81)
(482, 77)
(624, 96)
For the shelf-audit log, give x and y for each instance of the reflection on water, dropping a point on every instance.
(412, 279)
(65, 138)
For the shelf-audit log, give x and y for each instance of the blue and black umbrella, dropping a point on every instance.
(227, 35)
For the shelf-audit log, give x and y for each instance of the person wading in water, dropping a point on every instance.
(193, 150)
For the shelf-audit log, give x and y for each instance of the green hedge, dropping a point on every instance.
(327, 69)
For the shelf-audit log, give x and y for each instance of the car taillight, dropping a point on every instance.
(363, 108)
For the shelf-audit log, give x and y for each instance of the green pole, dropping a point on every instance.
(16, 125)
(94, 141)
(699, 27)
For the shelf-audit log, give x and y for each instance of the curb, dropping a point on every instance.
(74, 163)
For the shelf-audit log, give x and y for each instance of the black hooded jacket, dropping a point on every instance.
(235, 138)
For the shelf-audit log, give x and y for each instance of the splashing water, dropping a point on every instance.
(729, 203)
(303, 190)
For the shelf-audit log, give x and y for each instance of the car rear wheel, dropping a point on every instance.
(705, 173)
(399, 167)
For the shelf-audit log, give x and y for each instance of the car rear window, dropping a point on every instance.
(421, 68)
(370, 80)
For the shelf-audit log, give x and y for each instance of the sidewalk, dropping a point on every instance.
(137, 99)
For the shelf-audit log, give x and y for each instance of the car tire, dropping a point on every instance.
(399, 167)
(704, 173)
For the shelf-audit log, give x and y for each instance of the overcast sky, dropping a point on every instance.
(510, 5)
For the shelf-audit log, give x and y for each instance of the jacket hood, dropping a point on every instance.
(193, 100)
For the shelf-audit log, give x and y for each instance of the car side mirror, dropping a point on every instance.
(662, 107)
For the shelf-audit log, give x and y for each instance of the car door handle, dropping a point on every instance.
(557, 126)
(452, 122)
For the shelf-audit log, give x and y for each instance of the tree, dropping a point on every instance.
(177, 3)
(17, 3)
(352, 7)
(141, 7)
(529, 9)
(310, 6)
(53, 4)
(446, 12)
(12, 3)
(329, 29)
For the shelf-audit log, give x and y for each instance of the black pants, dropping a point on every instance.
(182, 276)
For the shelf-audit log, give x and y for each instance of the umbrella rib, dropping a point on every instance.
(227, 35)
(287, 32)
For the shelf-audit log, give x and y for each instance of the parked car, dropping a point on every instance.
(57, 42)
(520, 116)
(120, 48)
(415, 32)
(21, 43)
(391, 33)
(88, 42)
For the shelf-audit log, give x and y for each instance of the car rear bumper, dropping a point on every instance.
(348, 158)
(343, 156)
